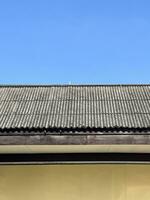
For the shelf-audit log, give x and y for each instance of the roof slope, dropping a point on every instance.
(75, 107)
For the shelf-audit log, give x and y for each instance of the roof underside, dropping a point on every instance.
(75, 108)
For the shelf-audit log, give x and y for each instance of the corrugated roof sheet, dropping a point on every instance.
(75, 107)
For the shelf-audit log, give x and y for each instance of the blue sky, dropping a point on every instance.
(74, 41)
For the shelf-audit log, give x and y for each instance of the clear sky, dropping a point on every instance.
(74, 41)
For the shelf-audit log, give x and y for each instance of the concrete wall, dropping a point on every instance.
(75, 182)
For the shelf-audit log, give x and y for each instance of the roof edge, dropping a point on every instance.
(70, 131)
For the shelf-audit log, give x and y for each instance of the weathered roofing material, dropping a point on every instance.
(75, 107)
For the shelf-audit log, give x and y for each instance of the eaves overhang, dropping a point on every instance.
(75, 149)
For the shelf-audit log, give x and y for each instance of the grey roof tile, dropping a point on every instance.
(100, 106)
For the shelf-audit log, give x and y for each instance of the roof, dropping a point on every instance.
(74, 108)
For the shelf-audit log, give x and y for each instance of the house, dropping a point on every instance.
(74, 142)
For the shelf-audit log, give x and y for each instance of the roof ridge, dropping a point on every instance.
(73, 85)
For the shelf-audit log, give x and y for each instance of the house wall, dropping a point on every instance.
(75, 182)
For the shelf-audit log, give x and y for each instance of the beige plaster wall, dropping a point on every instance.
(75, 182)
